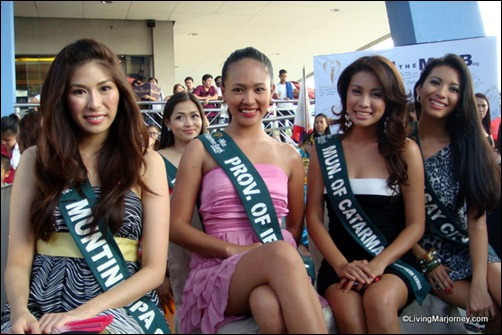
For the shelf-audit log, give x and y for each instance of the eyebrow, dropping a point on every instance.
(380, 89)
(99, 84)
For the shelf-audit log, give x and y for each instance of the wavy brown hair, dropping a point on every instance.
(58, 162)
(391, 131)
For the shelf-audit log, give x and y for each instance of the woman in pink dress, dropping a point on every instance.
(232, 274)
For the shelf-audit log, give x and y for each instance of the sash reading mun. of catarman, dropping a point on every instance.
(251, 188)
(356, 222)
(103, 255)
(439, 218)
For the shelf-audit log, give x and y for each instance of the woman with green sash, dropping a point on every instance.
(371, 177)
(82, 199)
(182, 121)
(233, 275)
(462, 183)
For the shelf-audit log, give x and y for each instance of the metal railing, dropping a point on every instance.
(278, 123)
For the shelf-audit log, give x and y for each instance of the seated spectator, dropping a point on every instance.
(223, 116)
(483, 107)
(5, 169)
(189, 83)
(177, 88)
(207, 92)
(153, 136)
(10, 147)
(161, 97)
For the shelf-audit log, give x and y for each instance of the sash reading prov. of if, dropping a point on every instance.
(103, 255)
(251, 188)
(355, 221)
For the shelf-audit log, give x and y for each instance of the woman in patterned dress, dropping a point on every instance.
(92, 131)
(461, 168)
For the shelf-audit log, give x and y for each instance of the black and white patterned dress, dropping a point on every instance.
(60, 284)
(439, 170)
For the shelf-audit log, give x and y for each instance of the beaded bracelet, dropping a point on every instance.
(429, 261)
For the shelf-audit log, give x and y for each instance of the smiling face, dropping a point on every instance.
(93, 99)
(185, 121)
(440, 92)
(365, 99)
(247, 90)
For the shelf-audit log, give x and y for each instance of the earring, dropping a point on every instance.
(348, 122)
(418, 97)
(168, 129)
(385, 125)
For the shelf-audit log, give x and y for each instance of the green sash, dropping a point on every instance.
(251, 188)
(103, 255)
(171, 173)
(351, 215)
(439, 218)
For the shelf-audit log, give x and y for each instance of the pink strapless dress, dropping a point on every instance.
(206, 291)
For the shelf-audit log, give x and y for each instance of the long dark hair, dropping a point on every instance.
(475, 167)
(58, 162)
(391, 131)
(486, 121)
(167, 138)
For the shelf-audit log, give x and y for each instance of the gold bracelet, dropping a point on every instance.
(430, 255)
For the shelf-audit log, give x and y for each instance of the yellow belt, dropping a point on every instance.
(63, 245)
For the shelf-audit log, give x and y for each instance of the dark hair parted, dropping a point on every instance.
(58, 161)
(10, 124)
(167, 137)
(391, 131)
(247, 53)
(474, 164)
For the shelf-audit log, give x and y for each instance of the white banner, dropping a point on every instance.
(480, 54)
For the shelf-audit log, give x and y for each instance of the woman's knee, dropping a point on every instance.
(384, 298)
(282, 252)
